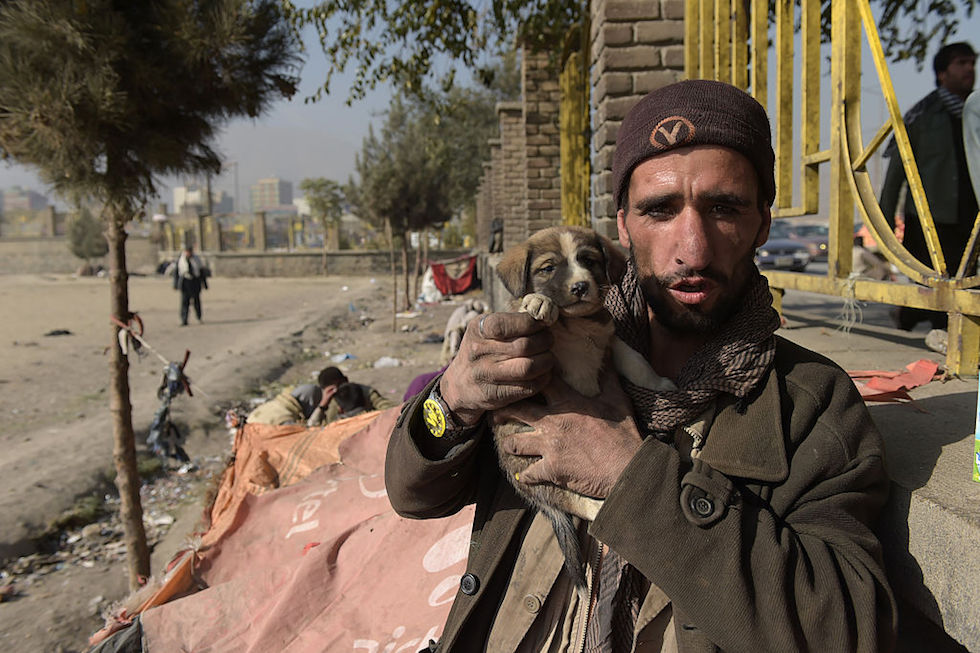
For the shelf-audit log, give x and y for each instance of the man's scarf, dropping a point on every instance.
(734, 360)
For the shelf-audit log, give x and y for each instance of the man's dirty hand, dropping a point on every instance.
(502, 358)
(583, 444)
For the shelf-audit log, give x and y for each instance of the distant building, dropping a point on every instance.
(192, 199)
(18, 200)
(271, 194)
(302, 207)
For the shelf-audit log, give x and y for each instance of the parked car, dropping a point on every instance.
(815, 237)
(781, 252)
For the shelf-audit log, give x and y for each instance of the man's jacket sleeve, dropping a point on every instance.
(427, 482)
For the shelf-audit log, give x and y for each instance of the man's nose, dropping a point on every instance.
(692, 242)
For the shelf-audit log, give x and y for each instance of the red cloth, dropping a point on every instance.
(894, 387)
(448, 285)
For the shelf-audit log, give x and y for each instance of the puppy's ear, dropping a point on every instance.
(615, 259)
(513, 268)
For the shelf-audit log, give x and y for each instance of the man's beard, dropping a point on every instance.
(685, 319)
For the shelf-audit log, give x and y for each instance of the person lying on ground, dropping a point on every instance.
(327, 411)
(294, 405)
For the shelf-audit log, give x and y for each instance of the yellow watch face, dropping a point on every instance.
(435, 421)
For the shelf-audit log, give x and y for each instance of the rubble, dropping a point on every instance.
(101, 542)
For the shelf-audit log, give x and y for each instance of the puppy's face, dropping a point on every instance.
(570, 265)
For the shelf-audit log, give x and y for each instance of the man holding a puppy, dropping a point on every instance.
(737, 508)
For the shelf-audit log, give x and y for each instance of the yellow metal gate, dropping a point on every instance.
(728, 40)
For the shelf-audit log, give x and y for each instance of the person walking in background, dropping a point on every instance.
(935, 130)
(190, 276)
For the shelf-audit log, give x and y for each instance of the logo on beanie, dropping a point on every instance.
(671, 132)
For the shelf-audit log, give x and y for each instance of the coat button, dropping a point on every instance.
(532, 603)
(469, 584)
(702, 506)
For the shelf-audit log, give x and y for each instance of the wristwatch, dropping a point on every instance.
(439, 419)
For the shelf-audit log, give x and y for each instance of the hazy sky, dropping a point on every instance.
(297, 140)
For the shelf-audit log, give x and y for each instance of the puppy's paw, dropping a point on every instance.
(540, 308)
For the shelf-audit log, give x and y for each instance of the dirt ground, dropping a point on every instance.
(56, 437)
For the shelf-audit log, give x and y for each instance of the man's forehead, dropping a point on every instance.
(680, 159)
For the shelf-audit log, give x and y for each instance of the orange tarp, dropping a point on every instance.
(305, 553)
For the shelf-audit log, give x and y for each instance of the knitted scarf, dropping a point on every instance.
(734, 360)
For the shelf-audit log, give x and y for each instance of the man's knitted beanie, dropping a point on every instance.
(694, 112)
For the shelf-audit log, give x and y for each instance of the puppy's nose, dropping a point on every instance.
(579, 288)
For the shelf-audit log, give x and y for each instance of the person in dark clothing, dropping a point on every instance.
(496, 235)
(190, 276)
(935, 129)
(737, 509)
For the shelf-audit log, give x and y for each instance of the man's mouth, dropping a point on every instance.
(691, 290)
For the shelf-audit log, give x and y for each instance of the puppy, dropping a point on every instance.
(560, 276)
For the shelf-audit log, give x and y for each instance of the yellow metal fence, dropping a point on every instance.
(728, 40)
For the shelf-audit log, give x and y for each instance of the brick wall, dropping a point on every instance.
(542, 96)
(52, 256)
(484, 207)
(636, 47)
(510, 191)
(308, 263)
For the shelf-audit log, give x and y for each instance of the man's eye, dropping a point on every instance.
(724, 210)
(657, 213)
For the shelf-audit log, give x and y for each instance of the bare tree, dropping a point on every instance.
(102, 96)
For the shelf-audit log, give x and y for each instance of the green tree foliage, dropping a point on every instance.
(326, 200)
(101, 96)
(401, 176)
(86, 236)
(915, 29)
(425, 165)
(403, 42)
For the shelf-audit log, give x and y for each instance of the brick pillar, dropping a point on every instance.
(200, 232)
(49, 226)
(542, 97)
(258, 231)
(484, 207)
(636, 47)
(512, 179)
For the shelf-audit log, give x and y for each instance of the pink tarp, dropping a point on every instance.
(321, 565)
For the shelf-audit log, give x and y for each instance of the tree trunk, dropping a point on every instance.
(394, 275)
(124, 440)
(418, 265)
(408, 304)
